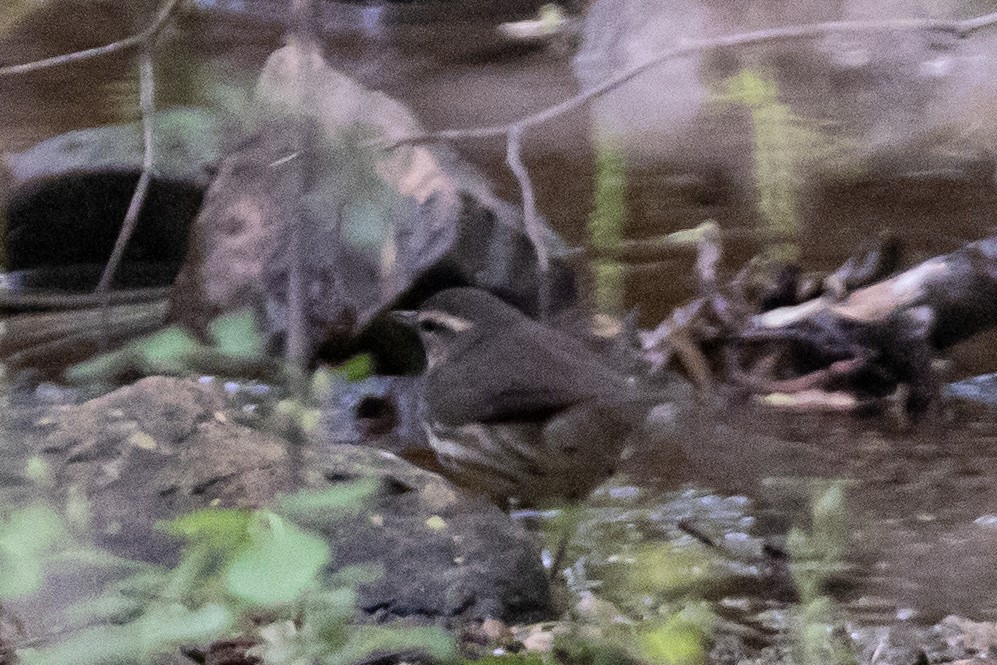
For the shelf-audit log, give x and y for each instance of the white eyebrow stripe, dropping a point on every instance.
(450, 321)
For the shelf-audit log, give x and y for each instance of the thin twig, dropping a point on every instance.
(958, 28)
(531, 220)
(147, 106)
(149, 35)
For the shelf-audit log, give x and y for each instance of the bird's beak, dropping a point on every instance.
(407, 317)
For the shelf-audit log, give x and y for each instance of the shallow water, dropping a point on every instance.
(924, 499)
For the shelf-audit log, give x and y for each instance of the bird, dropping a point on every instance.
(518, 410)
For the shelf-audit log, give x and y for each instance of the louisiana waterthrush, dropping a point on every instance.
(516, 409)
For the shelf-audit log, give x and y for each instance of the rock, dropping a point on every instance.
(445, 554)
(156, 449)
(69, 194)
(163, 447)
(382, 225)
(186, 143)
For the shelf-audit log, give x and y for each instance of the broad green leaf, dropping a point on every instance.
(526, 658)
(160, 631)
(22, 574)
(25, 541)
(106, 608)
(278, 565)
(169, 350)
(218, 528)
(85, 556)
(175, 625)
(102, 367)
(318, 507)
(37, 470)
(664, 568)
(237, 335)
(328, 617)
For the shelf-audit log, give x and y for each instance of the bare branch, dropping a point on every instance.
(958, 28)
(147, 106)
(531, 220)
(149, 35)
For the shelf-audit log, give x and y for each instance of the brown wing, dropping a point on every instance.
(527, 374)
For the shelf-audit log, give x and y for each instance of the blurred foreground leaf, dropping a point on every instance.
(26, 537)
(666, 569)
(167, 352)
(366, 641)
(218, 528)
(281, 562)
(357, 368)
(237, 335)
(319, 507)
(677, 641)
(159, 631)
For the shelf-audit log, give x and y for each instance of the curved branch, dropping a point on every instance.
(531, 221)
(958, 28)
(149, 35)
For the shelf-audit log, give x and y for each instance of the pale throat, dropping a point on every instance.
(436, 348)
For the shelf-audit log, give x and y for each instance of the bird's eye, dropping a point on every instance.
(431, 326)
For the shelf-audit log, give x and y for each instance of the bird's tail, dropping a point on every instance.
(52, 341)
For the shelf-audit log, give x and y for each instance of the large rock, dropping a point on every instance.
(163, 447)
(382, 224)
(69, 194)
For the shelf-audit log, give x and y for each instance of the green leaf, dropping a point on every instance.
(106, 608)
(365, 641)
(283, 644)
(237, 335)
(80, 556)
(37, 470)
(357, 368)
(25, 540)
(318, 507)
(526, 658)
(169, 350)
(677, 641)
(174, 625)
(668, 569)
(102, 367)
(328, 618)
(159, 631)
(281, 562)
(218, 528)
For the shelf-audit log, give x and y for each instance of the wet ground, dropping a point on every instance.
(922, 500)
